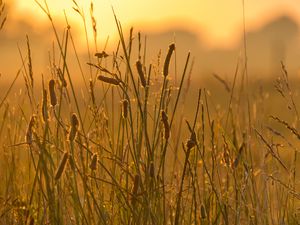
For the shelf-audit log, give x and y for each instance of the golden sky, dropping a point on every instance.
(218, 22)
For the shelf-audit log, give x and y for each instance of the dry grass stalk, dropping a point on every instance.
(238, 157)
(164, 119)
(102, 69)
(139, 68)
(222, 81)
(62, 166)
(2, 9)
(53, 99)
(286, 124)
(109, 80)
(92, 91)
(167, 60)
(61, 78)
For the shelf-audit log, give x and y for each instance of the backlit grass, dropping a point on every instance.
(133, 145)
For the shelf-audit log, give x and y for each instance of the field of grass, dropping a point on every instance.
(134, 145)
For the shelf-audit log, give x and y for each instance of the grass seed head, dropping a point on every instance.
(101, 55)
(74, 127)
(152, 170)
(109, 80)
(164, 119)
(62, 166)
(53, 99)
(74, 120)
(192, 141)
(168, 58)
(45, 113)
(30, 130)
(139, 68)
(92, 91)
(226, 157)
(93, 165)
(125, 108)
(136, 184)
(29, 62)
(203, 212)
(135, 188)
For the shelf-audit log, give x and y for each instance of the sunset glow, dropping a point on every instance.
(218, 23)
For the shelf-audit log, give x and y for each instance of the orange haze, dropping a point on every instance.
(217, 22)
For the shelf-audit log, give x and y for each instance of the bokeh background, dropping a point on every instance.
(212, 30)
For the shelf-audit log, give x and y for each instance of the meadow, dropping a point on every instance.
(137, 142)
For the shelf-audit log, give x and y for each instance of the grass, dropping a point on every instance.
(120, 150)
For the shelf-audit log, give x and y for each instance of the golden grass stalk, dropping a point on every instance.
(167, 60)
(164, 119)
(109, 80)
(139, 68)
(62, 166)
(92, 91)
(93, 165)
(53, 99)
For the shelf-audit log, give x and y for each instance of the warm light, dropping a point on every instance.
(219, 23)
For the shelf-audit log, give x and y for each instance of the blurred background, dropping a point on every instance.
(211, 29)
